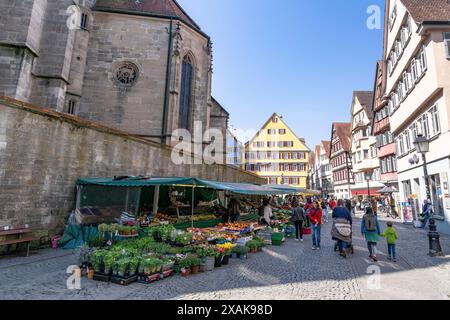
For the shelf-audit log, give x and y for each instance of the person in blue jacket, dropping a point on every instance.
(370, 228)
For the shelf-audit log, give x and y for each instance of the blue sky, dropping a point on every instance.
(301, 59)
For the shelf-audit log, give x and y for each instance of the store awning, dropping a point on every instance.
(388, 190)
(363, 192)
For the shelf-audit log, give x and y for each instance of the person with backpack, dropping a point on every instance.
(315, 216)
(370, 228)
(298, 218)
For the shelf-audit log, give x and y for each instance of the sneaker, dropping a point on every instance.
(343, 255)
(301, 240)
(389, 258)
(297, 240)
(395, 260)
(375, 259)
(314, 248)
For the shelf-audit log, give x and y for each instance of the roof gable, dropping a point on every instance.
(280, 119)
(162, 8)
(343, 132)
(428, 10)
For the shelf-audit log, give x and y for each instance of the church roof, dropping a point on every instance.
(160, 8)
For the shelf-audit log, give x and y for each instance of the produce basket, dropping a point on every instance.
(277, 239)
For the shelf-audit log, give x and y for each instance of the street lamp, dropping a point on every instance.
(422, 145)
(368, 176)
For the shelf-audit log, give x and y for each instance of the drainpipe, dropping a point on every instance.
(167, 89)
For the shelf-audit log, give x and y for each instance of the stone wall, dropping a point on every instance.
(44, 152)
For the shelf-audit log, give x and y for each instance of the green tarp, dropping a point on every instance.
(75, 236)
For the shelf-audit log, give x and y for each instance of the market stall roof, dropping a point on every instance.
(287, 189)
(136, 181)
(244, 188)
(238, 188)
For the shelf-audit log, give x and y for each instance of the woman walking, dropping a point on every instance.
(342, 227)
(298, 218)
(370, 228)
(315, 216)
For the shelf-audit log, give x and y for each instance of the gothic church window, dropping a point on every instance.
(186, 92)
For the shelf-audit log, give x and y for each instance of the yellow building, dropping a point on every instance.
(278, 155)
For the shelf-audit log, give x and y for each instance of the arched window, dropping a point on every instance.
(185, 93)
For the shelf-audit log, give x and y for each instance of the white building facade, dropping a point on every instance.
(417, 51)
(364, 150)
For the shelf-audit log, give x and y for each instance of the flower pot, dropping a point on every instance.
(253, 250)
(195, 269)
(185, 272)
(226, 260)
(237, 255)
(202, 268)
(218, 262)
(209, 264)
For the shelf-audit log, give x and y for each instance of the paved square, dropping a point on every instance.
(292, 271)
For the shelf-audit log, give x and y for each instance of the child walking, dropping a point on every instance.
(391, 236)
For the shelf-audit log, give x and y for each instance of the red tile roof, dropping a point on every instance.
(164, 8)
(343, 131)
(428, 10)
(327, 146)
(366, 100)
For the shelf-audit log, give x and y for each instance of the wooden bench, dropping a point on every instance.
(16, 237)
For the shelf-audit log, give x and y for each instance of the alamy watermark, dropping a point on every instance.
(374, 19)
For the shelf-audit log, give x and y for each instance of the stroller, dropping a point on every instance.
(342, 231)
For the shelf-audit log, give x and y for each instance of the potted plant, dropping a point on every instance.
(195, 264)
(219, 253)
(252, 245)
(207, 254)
(97, 260)
(183, 239)
(109, 261)
(185, 266)
(133, 265)
(122, 267)
(227, 249)
(240, 252)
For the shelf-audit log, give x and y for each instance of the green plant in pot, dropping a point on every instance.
(183, 239)
(109, 261)
(240, 252)
(195, 264)
(252, 245)
(97, 258)
(133, 265)
(185, 266)
(122, 266)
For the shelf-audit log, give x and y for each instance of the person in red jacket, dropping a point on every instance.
(315, 216)
(333, 204)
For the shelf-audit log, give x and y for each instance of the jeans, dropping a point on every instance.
(391, 250)
(424, 223)
(315, 230)
(298, 229)
(372, 246)
(342, 245)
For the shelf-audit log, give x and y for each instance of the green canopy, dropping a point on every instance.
(239, 188)
(136, 182)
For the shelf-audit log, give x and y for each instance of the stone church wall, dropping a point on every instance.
(43, 153)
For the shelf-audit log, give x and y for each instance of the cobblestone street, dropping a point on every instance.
(292, 271)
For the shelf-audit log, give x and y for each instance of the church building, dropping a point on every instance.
(140, 66)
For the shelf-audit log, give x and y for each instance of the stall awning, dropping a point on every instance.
(136, 182)
(238, 188)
